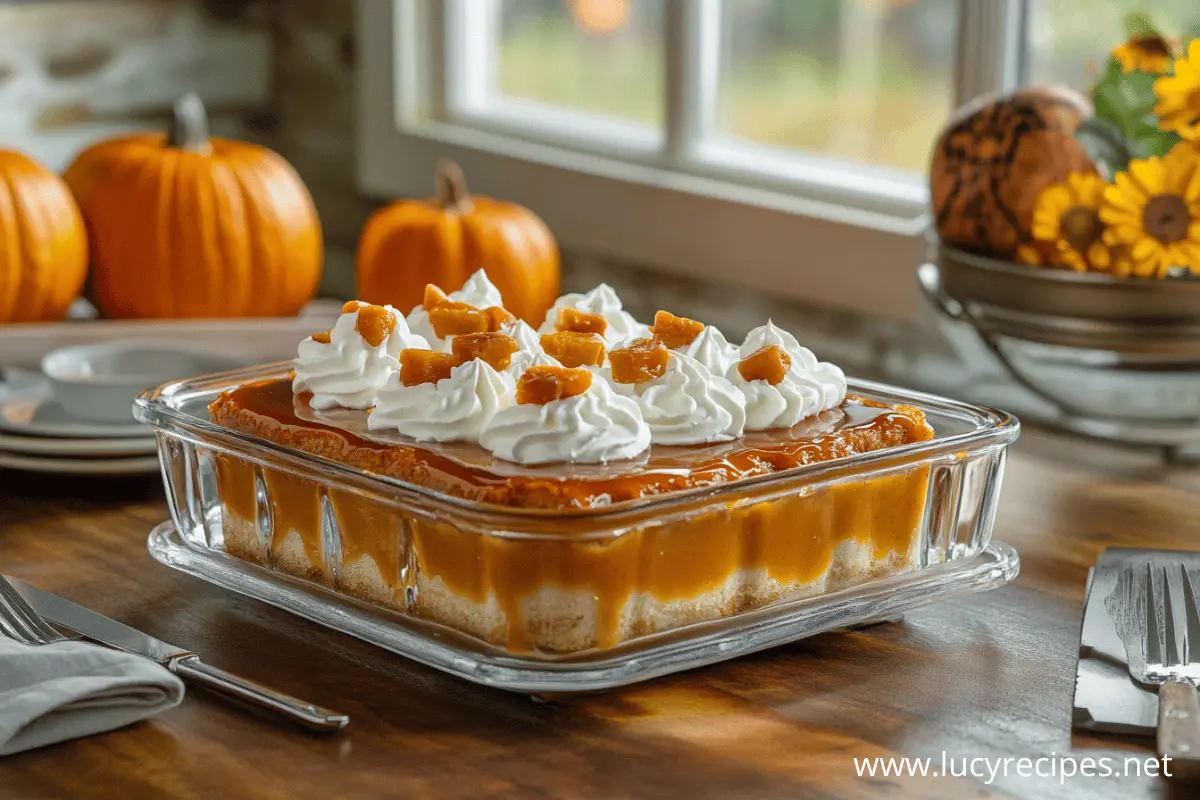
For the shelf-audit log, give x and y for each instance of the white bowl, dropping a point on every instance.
(99, 381)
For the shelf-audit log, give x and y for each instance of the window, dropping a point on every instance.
(775, 143)
(1069, 41)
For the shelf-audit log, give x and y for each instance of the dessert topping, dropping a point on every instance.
(619, 325)
(375, 323)
(434, 296)
(675, 332)
(478, 293)
(455, 319)
(687, 404)
(494, 348)
(575, 349)
(498, 318)
(808, 386)
(769, 363)
(571, 319)
(347, 365)
(543, 384)
(640, 361)
(425, 366)
(593, 427)
(455, 408)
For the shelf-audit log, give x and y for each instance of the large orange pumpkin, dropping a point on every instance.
(43, 246)
(184, 225)
(444, 239)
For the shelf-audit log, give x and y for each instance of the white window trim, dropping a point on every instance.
(679, 202)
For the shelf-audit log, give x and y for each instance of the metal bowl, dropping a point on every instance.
(1119, 358)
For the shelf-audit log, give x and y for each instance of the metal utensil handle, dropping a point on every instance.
(315, 718)
(19, 620)
(1178, 721)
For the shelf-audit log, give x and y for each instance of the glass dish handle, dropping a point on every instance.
(313, 717)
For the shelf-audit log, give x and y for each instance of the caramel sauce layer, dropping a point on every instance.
(269, 410)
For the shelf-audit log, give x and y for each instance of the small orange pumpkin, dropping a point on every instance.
(43, 245)
(444, 239)
(184, 225)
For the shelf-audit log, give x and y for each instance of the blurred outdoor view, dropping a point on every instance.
(866, 80)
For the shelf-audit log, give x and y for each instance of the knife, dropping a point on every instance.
(1106, 698)
(184, 663)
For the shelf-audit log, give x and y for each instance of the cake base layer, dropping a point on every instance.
(565, 596)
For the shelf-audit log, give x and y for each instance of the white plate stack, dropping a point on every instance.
(38, 432)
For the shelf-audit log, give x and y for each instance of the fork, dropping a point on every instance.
(1171, 663)
(19, 621)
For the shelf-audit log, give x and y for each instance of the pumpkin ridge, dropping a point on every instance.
(10, 255)
(33, 224)
(43, 242)
(231, 235)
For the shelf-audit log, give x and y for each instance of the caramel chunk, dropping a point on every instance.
(574, 349)
(542, 384)
(498, 317)
(643, 360)
(433, 297)
(456, 319)
(375, 323)
(675, 332)
(425, 366)
(322, 337)
(768, 364)
(494, 348)
(580, 321)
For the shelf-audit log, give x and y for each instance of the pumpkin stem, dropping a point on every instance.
(189, 125)
(450, 191)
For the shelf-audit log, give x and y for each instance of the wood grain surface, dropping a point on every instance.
(987, 675)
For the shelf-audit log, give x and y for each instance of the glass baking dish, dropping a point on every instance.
(558, 600)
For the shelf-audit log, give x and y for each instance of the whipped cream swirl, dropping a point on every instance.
(453, 409)
(595, 427)
(347, 371)
(529, 349)
(712, 350)
(688, 404)
(478, 291)
(809, 386)
(602, 300)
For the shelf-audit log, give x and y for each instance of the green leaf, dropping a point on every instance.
(1106, 145)
(1124, 99)
(1139, 25)
(1152, 142)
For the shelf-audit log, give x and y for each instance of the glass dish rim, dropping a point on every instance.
(990, 427)
(993, 566)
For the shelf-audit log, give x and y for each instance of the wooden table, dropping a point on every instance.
(989, 675)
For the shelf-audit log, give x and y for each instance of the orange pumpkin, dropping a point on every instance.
(184, 225)
(444, 239)
(43, 246)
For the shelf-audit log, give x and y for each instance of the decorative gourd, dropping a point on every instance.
(994, 159)
(43, 245)
(184, 225)
(443, 240)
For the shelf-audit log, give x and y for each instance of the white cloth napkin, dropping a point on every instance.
(66, 690)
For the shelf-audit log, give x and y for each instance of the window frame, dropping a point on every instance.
(680, 200)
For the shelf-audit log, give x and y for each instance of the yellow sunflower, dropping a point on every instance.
(1037, 254)
(1152, 54)
(1178, 107)
(1067, 215)
(1154, 209)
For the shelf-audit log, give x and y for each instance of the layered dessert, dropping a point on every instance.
(580, 477)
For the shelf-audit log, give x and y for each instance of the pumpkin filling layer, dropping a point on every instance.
(585, 588)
